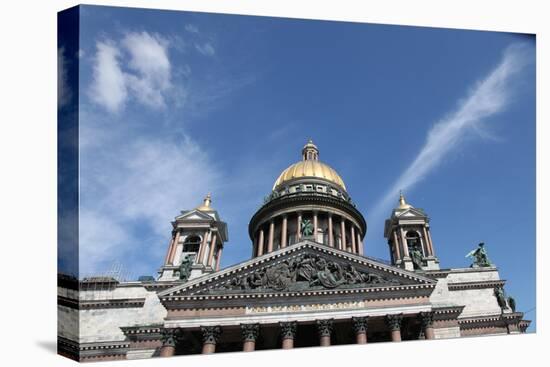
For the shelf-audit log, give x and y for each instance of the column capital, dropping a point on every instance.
(324, 327)
(250, 332)
(288, 329)
(427, 319)
(211, 334)
(394, 321)
(169, 337)
(360, 324)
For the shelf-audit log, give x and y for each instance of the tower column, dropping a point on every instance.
(342, 234)
(174, 247)
(397, 246)
(315, 226)
(353, 245)
(330, 231)
(430, 241)
(360, 328)
(288, 333)
(427, 324)
(249, 334)
(324, 327)
(202, 249)
(270, 238)
(394, 324)
(299, 227)
(212, 249)
(169, 252)
(261, 243)
(427, 242)
(284, 234)
(404, 242)
(210, 337)
(168, 348)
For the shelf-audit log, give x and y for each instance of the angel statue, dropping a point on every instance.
(307, 228)
(480, 256)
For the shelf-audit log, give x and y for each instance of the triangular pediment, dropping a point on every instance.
(411, 212)
(195, 214)
(306, 266)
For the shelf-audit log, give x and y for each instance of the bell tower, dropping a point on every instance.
(196, 244)
(409, 238)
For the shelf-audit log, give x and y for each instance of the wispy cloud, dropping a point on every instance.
(136, 67)
(486, 98)
(131, 189)
(206, 49)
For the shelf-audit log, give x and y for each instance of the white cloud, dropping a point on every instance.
(63, 89)
(206, 49)
(109, 81)
(487, 98)
(136, 187)
(146, 75)
(191, 28)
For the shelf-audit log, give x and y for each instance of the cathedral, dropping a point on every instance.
(308, 282)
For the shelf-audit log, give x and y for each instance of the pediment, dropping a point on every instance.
(412, 212)
(303, 267)
(195, 214)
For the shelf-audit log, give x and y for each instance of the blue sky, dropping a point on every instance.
(174, 105)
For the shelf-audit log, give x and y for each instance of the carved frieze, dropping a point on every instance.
(304, 272)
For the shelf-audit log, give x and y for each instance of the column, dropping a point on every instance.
(324, 327)
(427, 319)
(219, 258)
(360, 328)
(426, 242)
(299, 227)
(359, 244)
(284, 234)
(430, 241)
(330, 232)
(394, 324)
(404, 242)
(210, 337)
(168, 348)
(270, 237)
(174, 247)
(315, 226)
(353, 244)
(288, 333)
(261, 243)
(249, 334)
(397, 246)
(343, 233)
(202, 248)
(212, 249)
(169, 252)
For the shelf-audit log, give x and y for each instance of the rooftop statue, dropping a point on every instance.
(307, 228)
(480, 256)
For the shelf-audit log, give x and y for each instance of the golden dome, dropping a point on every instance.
(402, 203)
(206, 204)
(310, 166)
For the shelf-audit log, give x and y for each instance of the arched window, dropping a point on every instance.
(413, 240)
(192, 244)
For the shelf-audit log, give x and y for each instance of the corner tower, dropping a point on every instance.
(198, 237)
(409, 238)
(309, 200)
